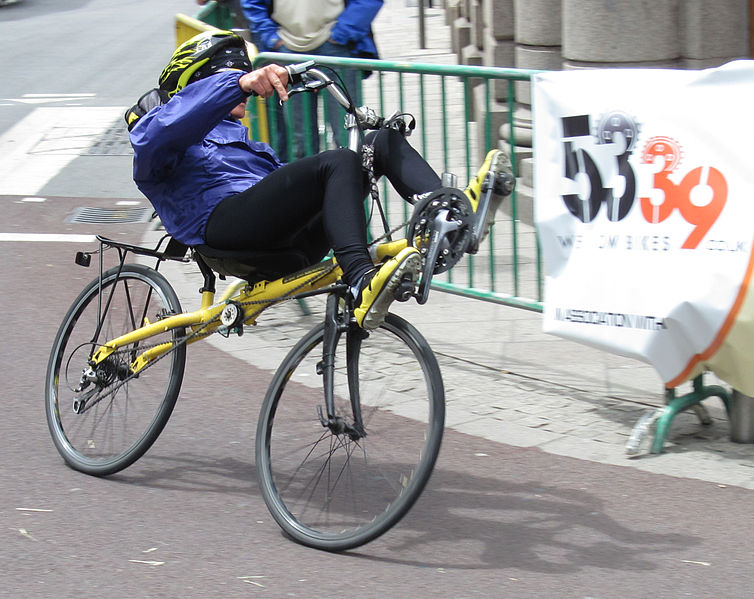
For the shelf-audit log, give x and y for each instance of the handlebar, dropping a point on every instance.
(305, 77)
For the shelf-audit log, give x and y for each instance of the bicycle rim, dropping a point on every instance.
(334, 492)
(124, 414)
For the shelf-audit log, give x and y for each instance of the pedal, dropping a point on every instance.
(405, 289)
(504, 184)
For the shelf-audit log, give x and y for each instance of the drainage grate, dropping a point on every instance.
(113, 142)
(110, 215)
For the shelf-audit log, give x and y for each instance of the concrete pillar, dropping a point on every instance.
(498, 20)
(461, 36)
(477, 24)
(544, 58)
(452, 11)
(617, 31)
(713, 32)
(499, 53)
(537, 22)
(741, 418)
(538, 39)
(466, 9)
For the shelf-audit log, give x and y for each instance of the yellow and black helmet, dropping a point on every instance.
(203, 55)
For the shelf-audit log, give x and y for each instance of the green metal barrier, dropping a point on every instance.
(216, 14)
(453, 136)
(457, 121)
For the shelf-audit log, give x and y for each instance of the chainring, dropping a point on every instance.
(442, 226)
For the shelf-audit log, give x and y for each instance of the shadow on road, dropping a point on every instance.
(468, 520)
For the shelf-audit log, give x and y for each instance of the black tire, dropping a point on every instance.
(324, 489)
(125, 415)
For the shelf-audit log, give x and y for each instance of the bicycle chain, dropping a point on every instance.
(179, 341)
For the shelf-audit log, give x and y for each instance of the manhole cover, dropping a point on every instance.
(110, 215)
(113, 142)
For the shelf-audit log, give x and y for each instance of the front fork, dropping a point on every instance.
(338, 322)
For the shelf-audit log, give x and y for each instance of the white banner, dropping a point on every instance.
(645, 209)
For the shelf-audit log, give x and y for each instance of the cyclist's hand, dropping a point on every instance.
(266, 81)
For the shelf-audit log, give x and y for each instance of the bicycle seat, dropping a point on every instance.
(253, 265)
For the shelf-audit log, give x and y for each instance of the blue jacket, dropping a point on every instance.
(353, 27)
(189, 155)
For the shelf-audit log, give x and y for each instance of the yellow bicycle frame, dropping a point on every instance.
(253, 300)
(207, 319)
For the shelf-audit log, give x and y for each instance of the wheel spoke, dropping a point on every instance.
(351, 490)
(126, 413)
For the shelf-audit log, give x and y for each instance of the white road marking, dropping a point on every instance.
(38, 147)
(48, 237)
(75, 95)
(48, 98)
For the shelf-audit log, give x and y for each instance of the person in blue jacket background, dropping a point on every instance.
(211, 185)
(340, 28)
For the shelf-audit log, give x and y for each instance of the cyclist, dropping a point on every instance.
(210, 184)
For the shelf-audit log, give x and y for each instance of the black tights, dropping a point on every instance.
(317, 203)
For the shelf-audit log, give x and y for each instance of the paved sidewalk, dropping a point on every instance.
(506, 380)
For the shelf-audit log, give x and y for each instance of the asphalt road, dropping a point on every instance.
(187, 520)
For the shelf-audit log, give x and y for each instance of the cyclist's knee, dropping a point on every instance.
(341, 159)
(386, 141)
(339, 155)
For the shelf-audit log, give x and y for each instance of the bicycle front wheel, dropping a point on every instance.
(112, 421)
(338, 490)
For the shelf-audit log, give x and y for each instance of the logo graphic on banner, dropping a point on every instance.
(645, 215)
(699, 197)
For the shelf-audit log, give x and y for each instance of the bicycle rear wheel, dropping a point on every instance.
(114, 420)
(336, 491)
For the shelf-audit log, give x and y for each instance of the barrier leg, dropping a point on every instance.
(679, 404)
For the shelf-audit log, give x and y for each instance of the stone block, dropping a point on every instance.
(613, 31)
(466, 9)
(499, 53)
(572, 65)
(714, 28)
(522, 127)
(524, 199)
(460, 36)
(540, 58)
(498, 18)
(526, 171)
(538, 22)
(471, 56)
(696, 64)
(489, 121)
(452, 12)
(521, 153)
(477, 24)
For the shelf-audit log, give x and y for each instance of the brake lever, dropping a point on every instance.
(311, 86)
(295, 71)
